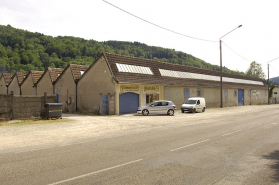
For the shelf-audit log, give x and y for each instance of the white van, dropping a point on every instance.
(194, 104)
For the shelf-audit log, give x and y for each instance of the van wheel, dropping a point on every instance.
(203, 109)
(182, 111)
(170, 112)
(145, 112)
(194, 111)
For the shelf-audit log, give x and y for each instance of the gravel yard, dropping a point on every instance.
(80, 128)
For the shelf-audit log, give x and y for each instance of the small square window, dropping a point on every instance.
(275, 92)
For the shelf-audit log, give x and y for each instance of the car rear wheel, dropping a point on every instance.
(171, 112)
(182, 111)
(203, 109)
(145, 112)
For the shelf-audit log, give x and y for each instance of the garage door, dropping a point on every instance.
(128, 103)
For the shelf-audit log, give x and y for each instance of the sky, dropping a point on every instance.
(257, 39)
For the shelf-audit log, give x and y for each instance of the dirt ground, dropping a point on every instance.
(81, 128)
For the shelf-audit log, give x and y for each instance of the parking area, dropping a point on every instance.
(81, 127)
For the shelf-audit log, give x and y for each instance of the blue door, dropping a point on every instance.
(240, 97)
(128, 103)
(105, 104)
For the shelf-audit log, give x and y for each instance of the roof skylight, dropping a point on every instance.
(133, 69)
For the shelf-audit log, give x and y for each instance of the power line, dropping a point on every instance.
(158, 25)
(274, 70)
(236, 53)
(272, 60)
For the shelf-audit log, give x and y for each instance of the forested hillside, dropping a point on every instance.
(275, 80)
(21, 50)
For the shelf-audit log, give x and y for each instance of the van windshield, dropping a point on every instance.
(191, 102)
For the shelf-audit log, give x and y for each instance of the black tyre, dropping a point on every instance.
(171, 112)
(145, 112)
(194, 111)
(182, 111)
(203, 110)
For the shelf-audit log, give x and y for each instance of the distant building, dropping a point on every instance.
(45, 82)
(4, 82)
(15, 83)
(28, 84)
(66, 86)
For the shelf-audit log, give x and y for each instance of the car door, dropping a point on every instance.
(154, 108)
(164, 107)
(198, 106)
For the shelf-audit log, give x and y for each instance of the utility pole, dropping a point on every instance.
(268, 83)
(221, 69)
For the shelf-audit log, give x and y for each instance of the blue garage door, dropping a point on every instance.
(128, 103)
(240, 97)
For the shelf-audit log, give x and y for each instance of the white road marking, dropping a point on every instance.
(189, 145)
(231, 133)
(88, 174)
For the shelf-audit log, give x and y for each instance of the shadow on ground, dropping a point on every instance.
(274, 156)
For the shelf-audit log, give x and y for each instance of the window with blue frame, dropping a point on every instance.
(186, 93)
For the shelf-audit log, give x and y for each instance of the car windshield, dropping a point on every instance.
(191, 102)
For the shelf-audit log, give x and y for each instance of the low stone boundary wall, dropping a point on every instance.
(6, 108)
(24, 107)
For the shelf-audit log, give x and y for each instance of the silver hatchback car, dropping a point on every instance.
(158, 107)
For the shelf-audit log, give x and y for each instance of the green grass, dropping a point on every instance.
(31, 122)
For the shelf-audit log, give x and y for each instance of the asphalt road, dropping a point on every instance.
(229, 149)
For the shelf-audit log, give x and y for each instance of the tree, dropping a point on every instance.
(255, 70)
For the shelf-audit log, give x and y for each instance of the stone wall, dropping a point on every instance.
(6, 110)
(24, 107)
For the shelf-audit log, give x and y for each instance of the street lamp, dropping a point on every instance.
(221, 72)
